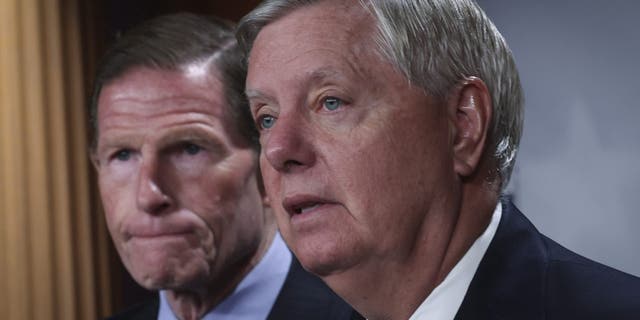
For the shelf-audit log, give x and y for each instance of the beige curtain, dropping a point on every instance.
(53, 257)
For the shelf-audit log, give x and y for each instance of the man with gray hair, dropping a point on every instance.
(389, 130)
(176, 155)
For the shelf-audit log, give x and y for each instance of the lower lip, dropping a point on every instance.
(160, 236)
(312, 213)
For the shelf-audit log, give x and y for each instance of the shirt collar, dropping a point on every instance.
(445, 300)
(255, 294)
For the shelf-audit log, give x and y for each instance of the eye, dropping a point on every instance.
(331, 103)
(122, 155)
(266, 121)
(191, 149)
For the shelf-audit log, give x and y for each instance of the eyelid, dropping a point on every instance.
(330, 94)
(261, 108)
(179, 145)
(112, 153)
(262, 111)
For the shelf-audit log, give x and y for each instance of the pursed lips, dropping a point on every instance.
(149, 232)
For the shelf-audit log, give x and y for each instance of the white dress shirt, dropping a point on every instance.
(255, 294)
(445, 300)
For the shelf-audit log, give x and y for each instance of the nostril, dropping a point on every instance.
(152, 198)
(159, 207)
(163, 206)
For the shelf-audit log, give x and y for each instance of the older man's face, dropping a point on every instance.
(354, 158)
(179, 188)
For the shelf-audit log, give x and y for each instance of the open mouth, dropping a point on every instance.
(304, 208)
(297, 205)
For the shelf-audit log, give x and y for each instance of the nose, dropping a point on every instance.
(285, 145)
(151, 196)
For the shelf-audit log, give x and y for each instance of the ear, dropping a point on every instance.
(94, 160)
(266, 203)
(470, 110)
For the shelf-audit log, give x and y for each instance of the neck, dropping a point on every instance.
(384, 289)
(196, 303)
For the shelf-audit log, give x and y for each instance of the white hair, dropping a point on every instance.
(436, 44)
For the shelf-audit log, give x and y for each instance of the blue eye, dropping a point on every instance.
(331, 103)
(266, 121)
(192, 149)
(123, 155)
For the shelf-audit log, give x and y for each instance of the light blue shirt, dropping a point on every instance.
(255, 295)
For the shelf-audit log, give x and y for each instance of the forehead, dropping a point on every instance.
(149, 101)
(145, 97)
(142, 86)
(333, 32)
(346, 21)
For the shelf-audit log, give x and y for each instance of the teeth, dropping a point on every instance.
(305, 208)
(308, 208)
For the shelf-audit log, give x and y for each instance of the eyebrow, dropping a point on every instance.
(168, 140)
(317, 76)
(201, 135)
(324, 73)
(116, 141)
(256, 94)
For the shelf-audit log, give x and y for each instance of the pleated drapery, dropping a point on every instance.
(53, 245)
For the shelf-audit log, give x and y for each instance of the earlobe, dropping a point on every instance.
(470, 111)
(94, 160)
(266, 202)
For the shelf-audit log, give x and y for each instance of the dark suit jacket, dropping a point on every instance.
(303, 296)
(525, 275)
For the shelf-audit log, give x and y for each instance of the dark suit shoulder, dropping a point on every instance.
(577, 286)
(305, 296)
(147, 310)
(526, 276)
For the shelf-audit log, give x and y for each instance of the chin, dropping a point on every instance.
(326, 259)
(320, 268)
(167, 274)
(154, 282)
(168, 279)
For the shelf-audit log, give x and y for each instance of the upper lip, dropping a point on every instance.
(296, 203)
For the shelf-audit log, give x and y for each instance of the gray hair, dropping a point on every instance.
(171, 43)
(436, 44)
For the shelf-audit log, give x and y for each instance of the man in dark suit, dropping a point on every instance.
(389, 130)
(176, 156)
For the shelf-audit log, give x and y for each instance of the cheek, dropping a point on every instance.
(270, 179)
(387, 170)
(237, 217)
(224, 196)
(117, 198)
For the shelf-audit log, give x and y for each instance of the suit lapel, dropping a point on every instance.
(304, 296)
(509, 282)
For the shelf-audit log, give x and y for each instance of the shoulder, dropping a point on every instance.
(525, 275)
(147, 310)
(576, 285)
(305, 296)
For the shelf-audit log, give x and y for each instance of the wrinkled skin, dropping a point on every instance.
(179, 187)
